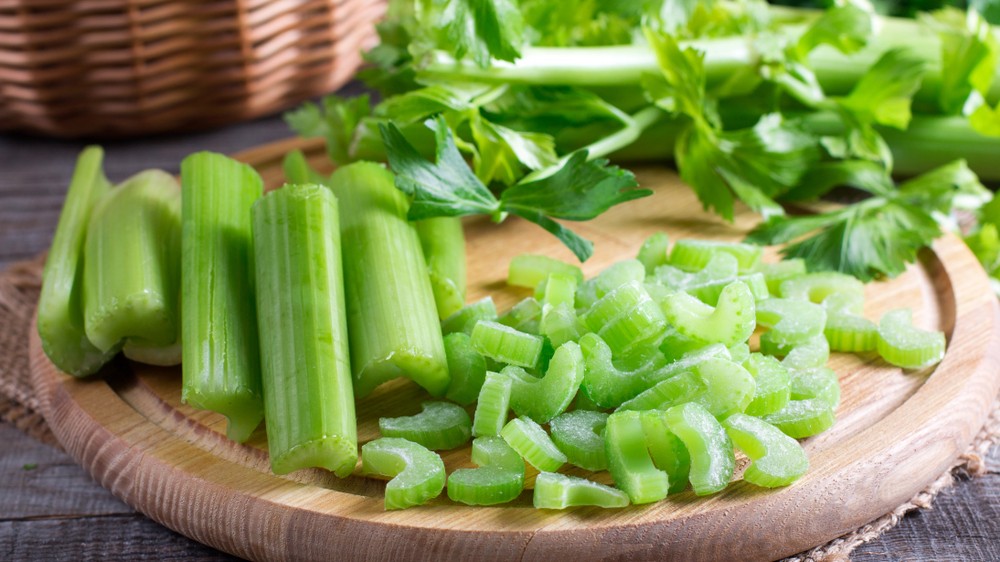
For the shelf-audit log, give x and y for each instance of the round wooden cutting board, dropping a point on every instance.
(896, 431)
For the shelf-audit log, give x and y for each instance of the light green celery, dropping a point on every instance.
(776, 273)
(666, 449)
(653, 252)
(778, 460)
(685, 362)
(558, 491)
(301, 319)
(465, 318)
(499, 478)
(560, 289)
(492, 405)
(161, 356)
(802, 418)
(507, 345)
(719, 267)
(711, 450)
(773, 385)
(533, 444)
(525, 316)
(739, 353)
(467, 368)
(443, 243)
(792, 321)
(298, 171)
(542, 399)
(618, 274)
(528, 270)
(710, 292)
(813, 353)
(903, 345)
(391, 312)
(626, 318)
(719, 385)
(692, 255)
(439, 426)
(60, 306)
(603, 382)
(560, 324)
(730, 322)
(218, 313)
(417, 473)
(629, 461)
(132, 264)
(818, 382)
(846, 329)
(580, 436)
(816, 287)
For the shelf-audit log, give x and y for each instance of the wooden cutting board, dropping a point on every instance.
(896, 431)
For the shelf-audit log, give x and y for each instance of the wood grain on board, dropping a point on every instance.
(896, 431)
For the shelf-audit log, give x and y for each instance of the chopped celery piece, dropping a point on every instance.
(525, 316)
(604, 383)
(778, 460)
(443, 244)
(666, 449)
(618, 274)
(903, 345)
(711, 450)
(776, 273)
(528, 270)
(802, 418)
(720, 267)
(159, 355)
(814, 352)
(298, 171)
(417, 473)
(560, 324)
(560, 289)
(816, 287)
(492, 406)
(692, 255)
(730, 322)
(583, 402)
(721, 386)
(629, 461)
(791, 321)
(391, 313)
(305, 362)
(131, 270)
(558, 491)
(465, 318)
(533, 444)
(499, 478)
(773, 385)
(218, 312)
(542, 399)
(507, 345)
(678, 389)
(579, 435)
(739, 353)
(439, 426)
(626, 318)
(818, 382)
(60, 306)
(685, 362)
(675, 345)
(467, 368)
(710, 292)
(846, 329)
(653, 252)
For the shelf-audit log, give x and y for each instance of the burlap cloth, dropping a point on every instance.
(21, 282)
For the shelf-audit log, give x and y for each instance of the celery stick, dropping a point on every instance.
(466, 367)
(417, 474)
(132, 266)
(219, 318)
(711, 450)
(391, 312)
(443, 243)
(507, 345)
(528, 270)
(439, 426)
(305, 363)
(533, 444)
(558, 491)
(579, 435)
(60, 310)
(778, 460)
(492, 406)
(159, 355)
(298, 171)
(542, 399)
(499, 478)
(629, 462)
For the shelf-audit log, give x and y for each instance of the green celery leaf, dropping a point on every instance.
(824, 176)
(846, 27)
(684, 74)
(968, 44)
(580, 190)
(502, 153)
(445, 188)
(581, 247)
(337, 121)
(417, 105)
(544, 108)
(482, 29)
(884, 93)
(986, 120)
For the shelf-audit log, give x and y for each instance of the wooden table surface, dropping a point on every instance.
(50, 508)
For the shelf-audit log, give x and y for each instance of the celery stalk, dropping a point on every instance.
(132, 266)
(219, 320)
(443, 243)
(301, 319)
(60, 312)
(391, 313)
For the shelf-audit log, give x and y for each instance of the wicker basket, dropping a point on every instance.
(74, 68)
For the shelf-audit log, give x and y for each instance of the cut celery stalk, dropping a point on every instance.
(560, 289)
(773, 385)
(629, 462)
(719, 385)
(465, 318)
(710, 292)
(579, 435)
(813, 353)
(685, 362)
(305, 362)
(905, 346)
(219, 317)
(559, 324)
(391, 313)
(818, 382)
(132, 268)
(158, 355)
(792, 321)
(499, 478)
(720, 267)
(618, 274)
(298, 171)
(846, 329)
(467, 368)
(439, 426)
(692, 255)
(525, 316)
(626, 318)
(778, 460)
(653, 252)
(666, 449)
(443, 243)
(528, 270)
(542, 399)
(776, 273)
(533, 444)
(507, 345)
(711, 450)
(815, 287)
(802, 418)
(730, 322)
(558, 491)
(603, 382)
(417, 473)
(60, 306)
(492, 406)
